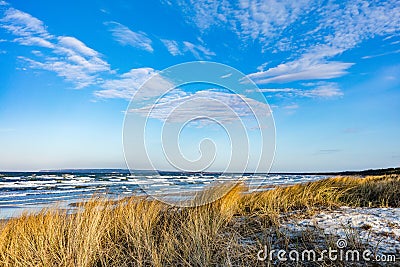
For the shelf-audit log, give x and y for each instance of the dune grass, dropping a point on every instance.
(138, 231)
(371, 191)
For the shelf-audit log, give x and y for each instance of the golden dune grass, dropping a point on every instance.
(142, 232)
(372, 191)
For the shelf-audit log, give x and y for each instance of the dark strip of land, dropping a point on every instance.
(386, 171)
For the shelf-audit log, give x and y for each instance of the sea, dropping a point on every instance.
(22, 192)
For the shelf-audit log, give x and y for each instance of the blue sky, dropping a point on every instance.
(329, 70)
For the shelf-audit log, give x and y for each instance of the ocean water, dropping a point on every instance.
(32, 192)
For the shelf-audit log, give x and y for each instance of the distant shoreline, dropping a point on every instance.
(386, 171)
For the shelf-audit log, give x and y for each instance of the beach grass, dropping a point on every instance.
(139, 231)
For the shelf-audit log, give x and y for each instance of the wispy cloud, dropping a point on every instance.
(320, 90)
(226, 76)
(333, 28)
(356, 21)
(253, 19)
(198, 51)
(77, 63)
(27, 29)
(300, 70)
(291, 107)
(176, 48)
(173, 47)
(278, 90)
(125, 86)
(67, 56)
(382, 54)
(75, 69)
(347, 26)
(324, 91)
(336, 24)
(180, 106)
(68, 44)
(123, 35)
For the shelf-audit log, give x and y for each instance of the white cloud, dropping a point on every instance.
(125, 36)
(70, 64)
(173, 47)
(262, 66)
(332, 28)
(382, 54)
(179, 106)
(127, 85)
(76, 46)
(312, 65)
(34, 41)
(67, 56)
(176, 48)
(339, 25)
(77, 63)
(252, 19)
(291, 107)
(23, 24)
(302, 69)
(198, 51)
(70, 72)
(277, 90)
(323, 91)
(360, 20)
(27, 29)
(320, 90)
(226, 76)
(105, 11)
(257, 19)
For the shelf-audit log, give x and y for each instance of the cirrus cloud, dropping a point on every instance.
(67, 56)
(179, 106)
(125, 36)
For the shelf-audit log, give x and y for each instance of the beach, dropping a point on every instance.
(240, 229)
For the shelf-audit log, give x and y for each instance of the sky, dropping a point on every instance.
(330, 71)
